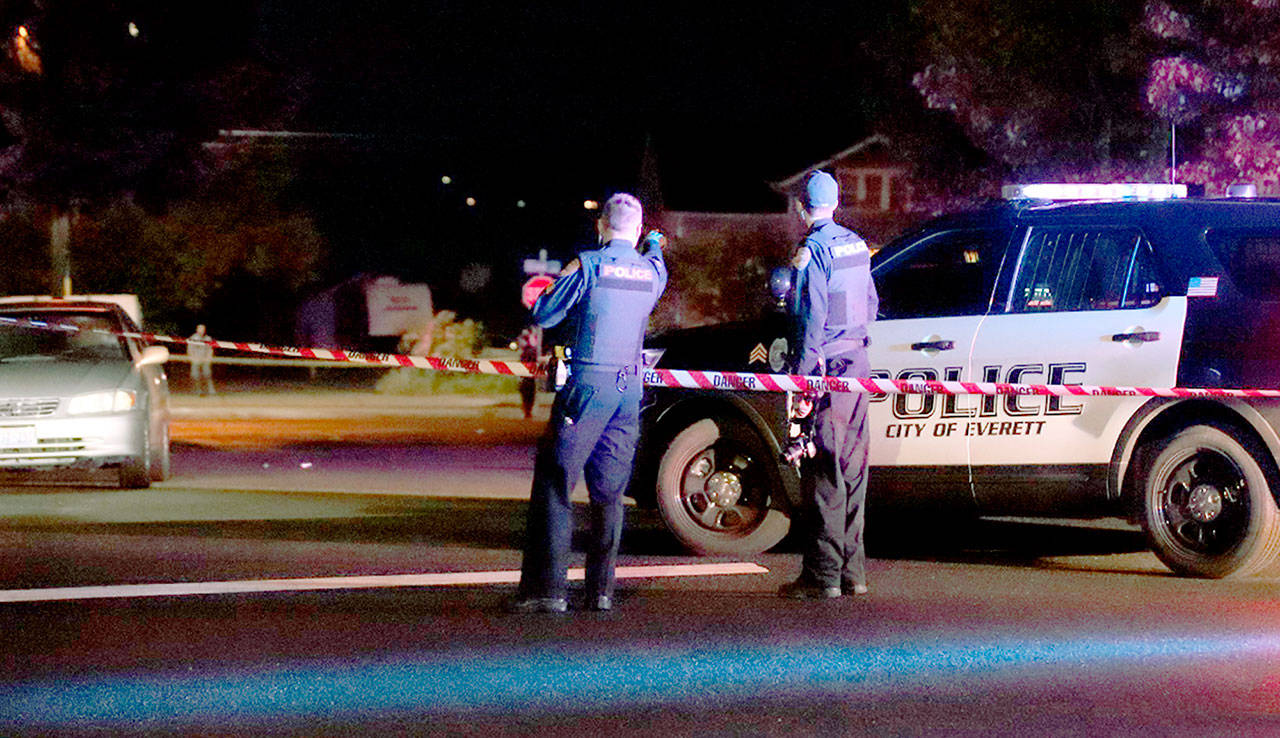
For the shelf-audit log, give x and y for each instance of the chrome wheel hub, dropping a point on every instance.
(724, 489)
(1204, 503)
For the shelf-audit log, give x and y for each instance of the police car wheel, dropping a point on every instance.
(714, 490)
(1208, 509)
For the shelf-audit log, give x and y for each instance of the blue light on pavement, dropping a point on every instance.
(582, 680)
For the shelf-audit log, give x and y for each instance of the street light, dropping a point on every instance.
(26, 50)
(590, 205)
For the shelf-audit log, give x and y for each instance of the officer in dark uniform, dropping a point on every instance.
(595, 420)
(835, 299)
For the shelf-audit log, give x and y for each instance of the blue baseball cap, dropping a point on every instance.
(820, 190)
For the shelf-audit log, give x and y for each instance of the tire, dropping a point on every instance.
(135, 473)
(1207, 507)
(160, 466)
(714, 490)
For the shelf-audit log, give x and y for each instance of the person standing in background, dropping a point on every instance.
(530, 345)
(200, 354)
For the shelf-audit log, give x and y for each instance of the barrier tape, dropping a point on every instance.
(687, 378)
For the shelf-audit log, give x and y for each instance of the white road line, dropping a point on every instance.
(448, 579)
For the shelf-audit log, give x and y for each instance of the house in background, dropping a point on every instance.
(874, 189)
(721, 254)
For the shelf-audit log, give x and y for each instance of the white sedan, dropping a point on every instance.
(76, 394)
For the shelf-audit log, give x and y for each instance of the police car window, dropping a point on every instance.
(948, 273)
(1070, 269)
(1252, 258)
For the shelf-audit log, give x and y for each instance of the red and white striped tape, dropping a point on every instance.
(795, 383)
(692, 379)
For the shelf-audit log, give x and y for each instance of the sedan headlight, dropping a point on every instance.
(102, 402)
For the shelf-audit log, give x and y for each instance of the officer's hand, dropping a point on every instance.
(653, 240)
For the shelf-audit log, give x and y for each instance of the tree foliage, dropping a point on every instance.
(1217, 78)
(238, 223)
(1100, 90)
(1031, 82)
(105, 107)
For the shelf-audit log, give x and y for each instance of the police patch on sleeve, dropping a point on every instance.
(568, 269)
(778, 354)
(801, 258)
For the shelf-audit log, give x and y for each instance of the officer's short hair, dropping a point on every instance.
(622, 212)
(820, 191)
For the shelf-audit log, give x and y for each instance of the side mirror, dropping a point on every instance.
(153, 355)
(780, 283)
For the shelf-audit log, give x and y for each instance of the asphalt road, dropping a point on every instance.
(989, 627)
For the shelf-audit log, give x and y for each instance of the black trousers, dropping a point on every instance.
(595, 424)
(834, 483)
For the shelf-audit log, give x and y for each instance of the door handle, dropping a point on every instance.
(933, 346)
(1140, 337)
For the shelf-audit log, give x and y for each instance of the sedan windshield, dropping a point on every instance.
(67, 336)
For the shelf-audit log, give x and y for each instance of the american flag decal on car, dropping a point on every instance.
(1202, 287)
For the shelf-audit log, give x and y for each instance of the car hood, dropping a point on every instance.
(54, 378)
(743, 346)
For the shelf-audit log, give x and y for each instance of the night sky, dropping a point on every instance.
(553, 104)
(559, 97)
(546, 103)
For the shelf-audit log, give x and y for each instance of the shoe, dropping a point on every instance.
(855, 589)
(603, 603)
(801, 590)
(525, 605)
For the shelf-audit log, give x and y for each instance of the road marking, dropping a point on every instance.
(447, 579)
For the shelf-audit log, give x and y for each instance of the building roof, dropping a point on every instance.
(785, 186)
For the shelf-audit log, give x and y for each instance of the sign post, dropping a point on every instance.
(542, 270)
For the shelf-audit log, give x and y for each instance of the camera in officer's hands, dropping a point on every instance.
(654, 239)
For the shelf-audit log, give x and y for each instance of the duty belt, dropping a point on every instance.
(623, 371)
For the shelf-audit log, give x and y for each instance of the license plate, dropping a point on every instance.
(16, 437)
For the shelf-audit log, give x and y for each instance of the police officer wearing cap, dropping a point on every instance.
(835, 299)
(595, 420)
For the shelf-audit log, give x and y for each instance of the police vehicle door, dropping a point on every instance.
(933, 294)
(1086, 306)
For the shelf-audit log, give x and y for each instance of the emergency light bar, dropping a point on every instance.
(1093, 191)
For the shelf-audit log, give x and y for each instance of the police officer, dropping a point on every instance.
(595, 420)
(835, 299)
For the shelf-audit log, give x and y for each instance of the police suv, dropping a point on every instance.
(1057, 284)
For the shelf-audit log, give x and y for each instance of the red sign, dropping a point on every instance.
(534, 287)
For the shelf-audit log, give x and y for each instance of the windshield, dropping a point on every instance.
(68, 336)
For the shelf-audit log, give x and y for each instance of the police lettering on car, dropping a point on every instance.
(1107, 285)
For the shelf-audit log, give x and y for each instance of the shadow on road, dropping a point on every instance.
(1006, 542)
(498, 524)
